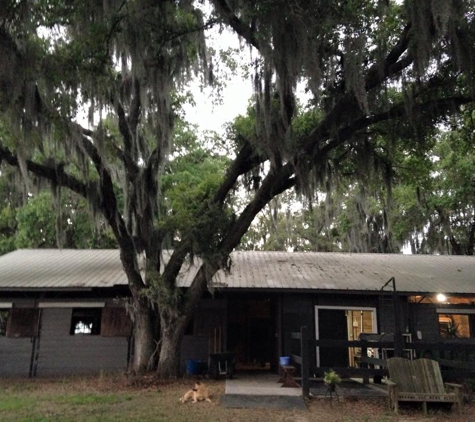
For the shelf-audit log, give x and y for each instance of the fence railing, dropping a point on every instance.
(376, 367)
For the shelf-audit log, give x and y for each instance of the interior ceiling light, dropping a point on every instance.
(441, 297)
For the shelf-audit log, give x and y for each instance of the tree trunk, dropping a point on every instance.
(471, 240)
(144, 329)
(174, 320)
(171, 335)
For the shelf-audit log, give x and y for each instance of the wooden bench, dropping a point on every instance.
(287, 376)
(420, 381)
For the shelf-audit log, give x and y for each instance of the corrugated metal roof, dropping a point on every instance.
(343, 271)
(66, 268)
(251, 270)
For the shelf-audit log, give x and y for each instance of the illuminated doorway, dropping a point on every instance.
(342, 323)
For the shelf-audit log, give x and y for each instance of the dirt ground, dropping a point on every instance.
(377, 410)
(343, 410)
(147, 399)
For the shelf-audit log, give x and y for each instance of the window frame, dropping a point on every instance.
(469, 313)
(86, 315)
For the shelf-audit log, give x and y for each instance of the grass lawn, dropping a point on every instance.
(120, 399)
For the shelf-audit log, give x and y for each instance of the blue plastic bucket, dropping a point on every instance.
(194, 367)
(284, 361)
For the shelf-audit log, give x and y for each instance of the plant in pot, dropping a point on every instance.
(331, 379)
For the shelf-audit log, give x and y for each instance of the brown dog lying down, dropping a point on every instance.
(198, 393)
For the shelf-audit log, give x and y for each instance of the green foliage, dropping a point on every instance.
(331, 378)
(305, 122)
(8, 226)
(243, 129)
(38, 225)
(436, 199)
(159, 293)
(408, 195)
(188, 186)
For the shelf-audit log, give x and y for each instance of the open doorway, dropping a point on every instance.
(342, 323)
(252, 332)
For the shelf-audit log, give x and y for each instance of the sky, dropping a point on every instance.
(212, 115)
(209, 116)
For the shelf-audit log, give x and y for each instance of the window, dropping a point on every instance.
(3, 321)
(86, 321)
(454, 325)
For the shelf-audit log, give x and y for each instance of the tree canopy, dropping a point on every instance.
(426, 206)
(381, 76)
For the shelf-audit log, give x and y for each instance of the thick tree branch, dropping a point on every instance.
(84, 131)
(276, 182)
(170, 36)
(241, 29)
(56, 175)
(175, 263)
(392, 63)
(375, 77)
(245, 161)
(135, 108)
(430, 109)
(125, 131)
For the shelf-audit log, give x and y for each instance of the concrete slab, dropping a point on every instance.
(255, 389)
(259, 384)
(244, 401)
(262, 390)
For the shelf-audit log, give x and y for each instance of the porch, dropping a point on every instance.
(451, 369)
(349, 388)
(254, 389)
(260, 389)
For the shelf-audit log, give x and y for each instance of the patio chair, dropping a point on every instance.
(420, 381)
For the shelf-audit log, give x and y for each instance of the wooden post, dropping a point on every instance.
(398, 339)
(305, 361)
(364, 364)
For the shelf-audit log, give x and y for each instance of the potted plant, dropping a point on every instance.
(331, 379)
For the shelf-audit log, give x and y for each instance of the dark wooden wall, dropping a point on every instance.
(426, 321)
(210, 318)
(60, 353)
(16, 353)
(15, 356)
(297, 311)
(55, 351)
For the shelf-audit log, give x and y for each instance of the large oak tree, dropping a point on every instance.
(126, 61)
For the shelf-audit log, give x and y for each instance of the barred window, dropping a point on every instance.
(86, 321)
